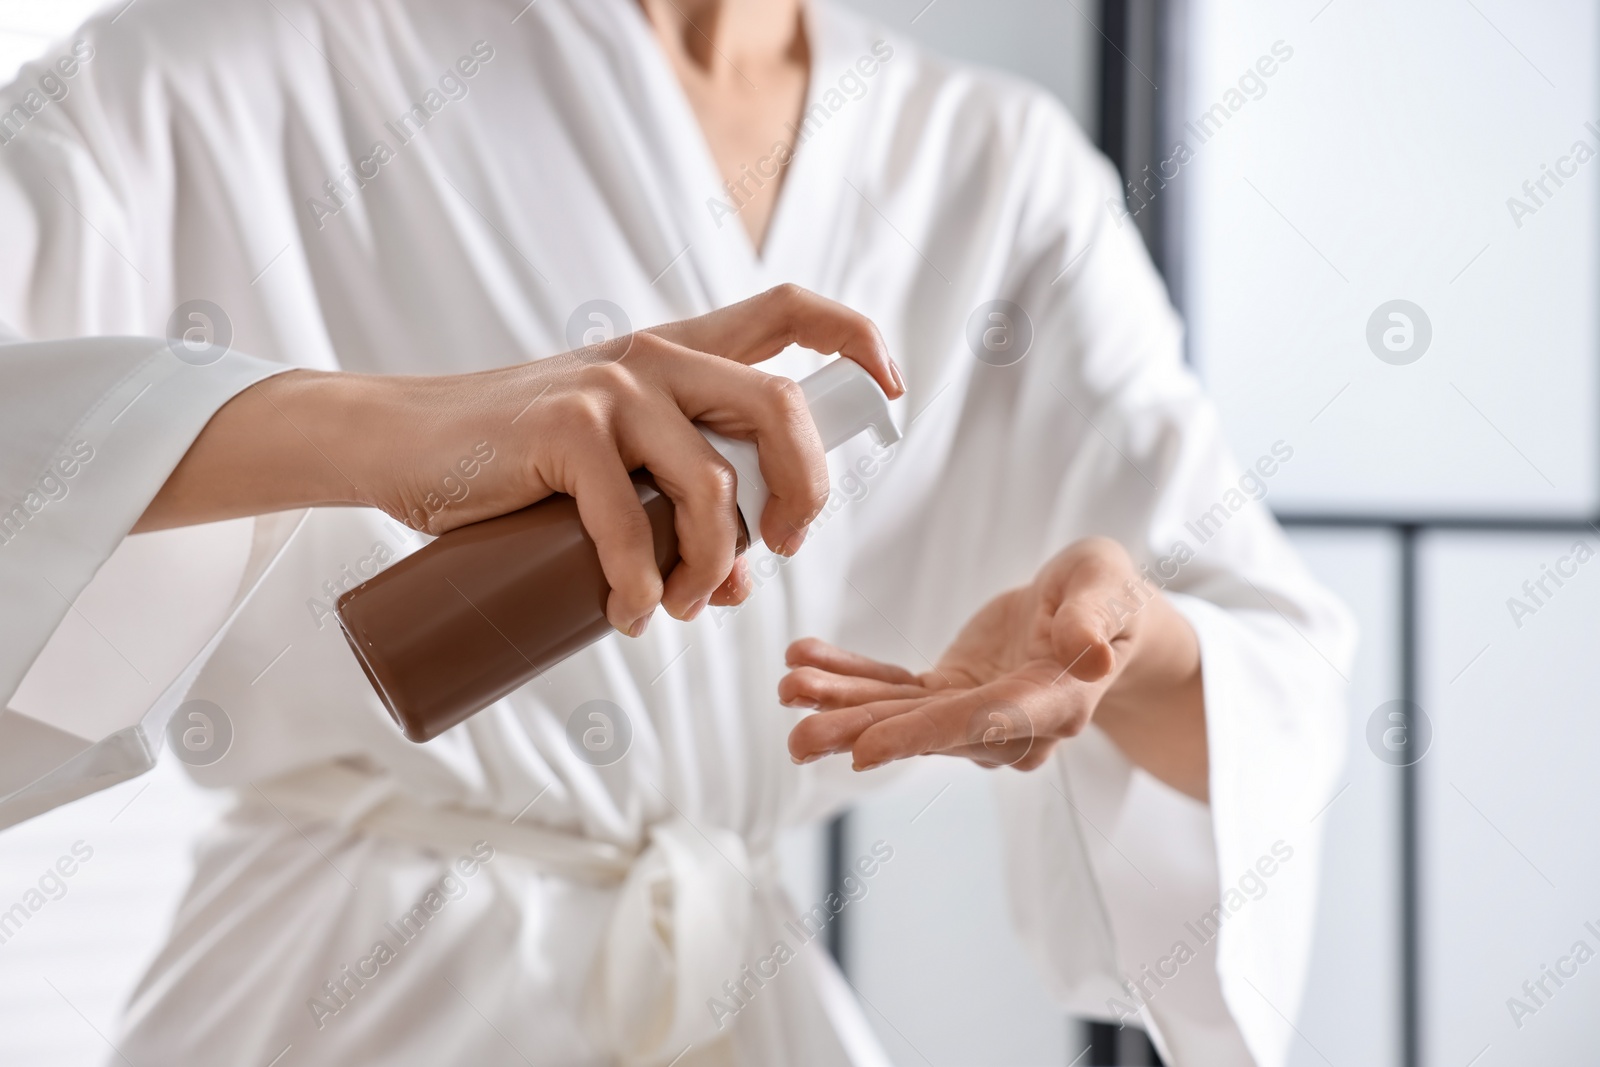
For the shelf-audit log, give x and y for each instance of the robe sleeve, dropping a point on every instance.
(1111, 871)
(93, 416)
(89, 430)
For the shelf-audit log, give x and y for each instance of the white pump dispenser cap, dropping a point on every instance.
(844, 400)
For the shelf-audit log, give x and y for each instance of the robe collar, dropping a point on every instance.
(719, 264)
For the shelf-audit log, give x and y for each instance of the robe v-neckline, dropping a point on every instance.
(790, 250)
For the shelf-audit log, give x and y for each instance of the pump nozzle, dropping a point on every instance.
(844, 400)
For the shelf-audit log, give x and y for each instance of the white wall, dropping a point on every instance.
(1051, 42)
(1351, 1010)
(931, 948)
(1510, 796)
(1377, 166)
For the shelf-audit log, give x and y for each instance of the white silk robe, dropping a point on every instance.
(558, 163)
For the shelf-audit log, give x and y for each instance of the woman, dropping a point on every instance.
(390, 188)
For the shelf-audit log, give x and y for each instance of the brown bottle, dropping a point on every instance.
(484, 609)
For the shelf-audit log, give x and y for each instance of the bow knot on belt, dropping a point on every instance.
(677, 933)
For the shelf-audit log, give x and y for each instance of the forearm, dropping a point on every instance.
(1156, 713)
(292, 441)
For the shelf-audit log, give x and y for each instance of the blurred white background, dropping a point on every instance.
(66, 974)
(1374, 165)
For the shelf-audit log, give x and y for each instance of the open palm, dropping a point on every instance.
(1029, 669)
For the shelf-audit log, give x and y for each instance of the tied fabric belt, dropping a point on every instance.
(679, 929)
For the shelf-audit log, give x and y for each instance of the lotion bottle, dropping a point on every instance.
(485, 608)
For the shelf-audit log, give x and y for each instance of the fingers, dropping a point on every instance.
(828, 732)
(898, 727)
(745, 403)
(737, 588)
(968, 722)
(963, 719)
(700, 484)
(812, 652)
(809, 687)
(609, 506)
(1000, 724)
(759, 328)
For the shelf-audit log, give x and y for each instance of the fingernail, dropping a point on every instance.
(809, 759)
(792, 545)
(696, 608)
(894, 373)
(868, 766)
(638, 628)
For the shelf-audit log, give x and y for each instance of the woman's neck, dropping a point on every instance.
(744, 65)
(718, 36)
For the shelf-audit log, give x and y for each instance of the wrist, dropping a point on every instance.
(1164, 662)
(341, 425)
(295, 440)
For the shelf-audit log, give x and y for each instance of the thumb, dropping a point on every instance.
(1080, 637)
